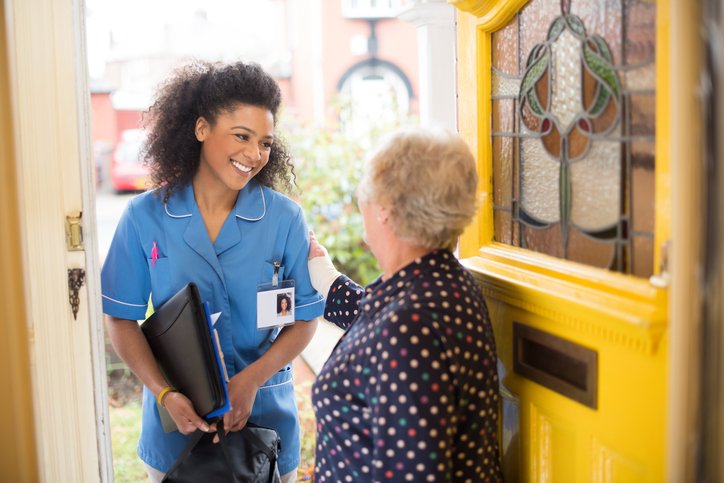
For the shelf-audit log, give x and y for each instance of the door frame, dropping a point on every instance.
(686, 184)
(53, 161)
(17, 454)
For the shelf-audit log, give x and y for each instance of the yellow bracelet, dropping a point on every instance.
(164, 391)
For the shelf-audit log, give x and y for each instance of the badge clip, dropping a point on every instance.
(275, 277)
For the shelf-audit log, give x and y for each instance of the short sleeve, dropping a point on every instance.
(308, 303)
(125, 279)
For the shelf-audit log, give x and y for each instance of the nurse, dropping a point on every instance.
(215, 219)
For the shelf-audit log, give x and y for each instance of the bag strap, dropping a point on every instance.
(250, 437)
(192, 442)
(257, 441)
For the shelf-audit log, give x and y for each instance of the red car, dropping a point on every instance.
(128, 171)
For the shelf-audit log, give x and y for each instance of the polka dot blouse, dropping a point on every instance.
(410, 392)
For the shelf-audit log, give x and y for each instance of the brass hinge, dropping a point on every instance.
(74, 231)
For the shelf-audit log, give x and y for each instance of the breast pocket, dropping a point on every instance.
(161, 289)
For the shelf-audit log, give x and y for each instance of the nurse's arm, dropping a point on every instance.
(243, 386)
(130, 344)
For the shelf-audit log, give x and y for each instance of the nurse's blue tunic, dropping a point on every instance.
(264, 227)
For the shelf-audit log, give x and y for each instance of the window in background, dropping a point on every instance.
(374, 93)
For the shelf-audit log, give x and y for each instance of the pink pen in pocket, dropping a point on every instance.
(154, 253)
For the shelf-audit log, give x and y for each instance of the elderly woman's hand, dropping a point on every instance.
(315, 249)
(321, 269)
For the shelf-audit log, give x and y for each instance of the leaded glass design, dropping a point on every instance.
(573, 97)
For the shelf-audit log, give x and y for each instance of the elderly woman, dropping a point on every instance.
(410, 392)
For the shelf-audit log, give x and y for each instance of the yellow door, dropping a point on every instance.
(564, 104)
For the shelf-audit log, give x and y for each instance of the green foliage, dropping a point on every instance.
(329, 167)
(125, 429)
(308, 427)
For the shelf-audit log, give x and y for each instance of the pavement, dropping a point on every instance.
(321, 345)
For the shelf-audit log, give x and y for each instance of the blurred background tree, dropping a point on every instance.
(328, 165)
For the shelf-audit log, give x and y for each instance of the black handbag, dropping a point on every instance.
(246, 456)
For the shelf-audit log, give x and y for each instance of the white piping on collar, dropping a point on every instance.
(263, 200)
(165, 207)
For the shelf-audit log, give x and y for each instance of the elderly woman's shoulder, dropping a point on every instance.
(444, 266)
(446, 284)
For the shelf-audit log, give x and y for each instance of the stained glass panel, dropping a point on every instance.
(583, 249)
(505, 49)
(543, 240)
(643, 262)
(643, 122)
(573, 121)
(642, 186)
(502, 171)
(639, 31)
(503, 115)
(503, 226)
(602, 17)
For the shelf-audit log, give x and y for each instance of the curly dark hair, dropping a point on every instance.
(204, 89)
(283, 296)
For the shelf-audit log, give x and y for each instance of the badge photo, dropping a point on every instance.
(275, 304)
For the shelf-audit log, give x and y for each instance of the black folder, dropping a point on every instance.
(180, 337)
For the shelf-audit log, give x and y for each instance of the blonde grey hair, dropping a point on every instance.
(427, 180)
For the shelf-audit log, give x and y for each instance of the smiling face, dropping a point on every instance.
(284, 304)
(236, 147)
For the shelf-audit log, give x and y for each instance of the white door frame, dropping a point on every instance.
(51, 117)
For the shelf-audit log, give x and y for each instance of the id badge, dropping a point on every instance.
(274, 303)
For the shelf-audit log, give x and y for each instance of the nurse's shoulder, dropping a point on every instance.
(146, 207)
(279, 205)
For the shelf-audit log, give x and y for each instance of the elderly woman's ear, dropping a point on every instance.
(383, 216)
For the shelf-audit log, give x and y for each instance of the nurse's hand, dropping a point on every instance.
(183, 414)
(242, 393)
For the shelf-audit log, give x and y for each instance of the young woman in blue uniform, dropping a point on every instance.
(215, 220)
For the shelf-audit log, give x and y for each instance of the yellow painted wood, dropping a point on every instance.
(624, 319)
(50, 99)
(18, 458)
(474, 81)
(662, 222)
(683, 116)
(469, 118)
